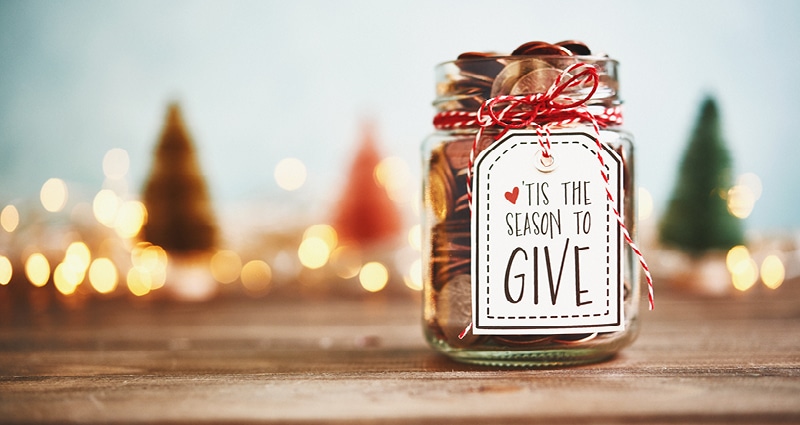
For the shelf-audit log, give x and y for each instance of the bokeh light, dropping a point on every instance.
(139, 282)
(116, 163)
(373, 276)
(103, 275)
(130, 217)
(149, 270)
(53, 195)
(290, 174)
(313, 253)
(744, 276)
(6, 270)
(741, 201)
(225, 266)
(325, 232)
(256, 277)
(346, 261)
(752, 182)
(415, 237)
(9, 218)
(645, 204)
(394, 175)
(78, 255)
(743, 269)
(736, 256)
(772, 271)
(37, 269)
(66, 279)
(105, 206)
(72, 270)
(414, 278)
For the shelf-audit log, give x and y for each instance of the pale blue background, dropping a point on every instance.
(260, 81)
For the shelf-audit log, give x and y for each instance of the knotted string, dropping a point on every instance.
(543, 111)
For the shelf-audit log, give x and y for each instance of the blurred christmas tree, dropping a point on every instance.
(697, 219)
(180, 217)
(365, 214)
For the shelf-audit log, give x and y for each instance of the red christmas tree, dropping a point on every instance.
(365, 214)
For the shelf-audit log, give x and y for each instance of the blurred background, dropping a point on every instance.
(274, 112)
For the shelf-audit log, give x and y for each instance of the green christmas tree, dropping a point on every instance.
(697, 219)
(180, 217)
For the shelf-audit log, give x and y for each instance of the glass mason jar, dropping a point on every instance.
(462, 87)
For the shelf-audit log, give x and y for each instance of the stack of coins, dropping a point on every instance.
(530, 68)
(476, 77)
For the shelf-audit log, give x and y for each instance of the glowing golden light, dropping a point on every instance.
(736, 256)
(37, 269)
(290, 174)
(324, 232)
(139, 282)
(256, 276)
(415, 237)
(414, 278)
(6, 271)
(743, 269)
(373, 276)
(645, 204)
(741, 201)
(78, 256)
(772, 272)
(148, 256)
(116, 163)
(66, 279)
(72, 270)
(346, 261)
(745, 275)
(130, 218)
(313, 253)
(105, 206)
(103, 275)
(9, 218)
(150, 265)
(225, 266)
(394, 175)
(53, 195)
(752, 182)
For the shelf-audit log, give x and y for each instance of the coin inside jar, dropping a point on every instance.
(536, 81)
(576, 47)
(509, 76)
(455, 310)
(540, 48)
(440, 185)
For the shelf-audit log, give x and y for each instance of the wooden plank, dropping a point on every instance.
(709, 361)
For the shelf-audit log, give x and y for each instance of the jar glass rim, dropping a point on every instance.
(514, 58)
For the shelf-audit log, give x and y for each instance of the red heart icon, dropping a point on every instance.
(513, 195)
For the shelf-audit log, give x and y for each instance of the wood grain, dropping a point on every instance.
(733, 360)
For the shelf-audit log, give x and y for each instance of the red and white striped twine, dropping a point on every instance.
(544, 111)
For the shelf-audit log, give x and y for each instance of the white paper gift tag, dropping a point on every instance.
(546, 244)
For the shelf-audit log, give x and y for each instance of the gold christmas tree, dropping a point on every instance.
(180, 217)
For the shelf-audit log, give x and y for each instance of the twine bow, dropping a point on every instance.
(553, 108)
(537, 109)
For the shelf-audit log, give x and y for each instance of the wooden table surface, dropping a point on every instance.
(732, 360)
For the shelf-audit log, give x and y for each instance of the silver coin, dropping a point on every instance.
(454, 310)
